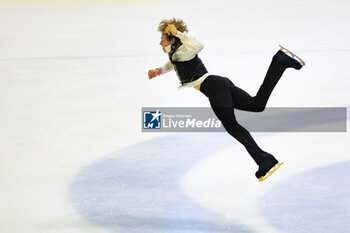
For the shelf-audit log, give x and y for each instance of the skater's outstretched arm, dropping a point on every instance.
(161, 70)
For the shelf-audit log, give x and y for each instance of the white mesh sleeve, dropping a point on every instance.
(190, 47)
(166, 68)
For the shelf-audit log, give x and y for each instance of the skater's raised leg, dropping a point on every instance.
(280, 62)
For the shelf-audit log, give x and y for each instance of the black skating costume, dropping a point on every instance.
(224, 96)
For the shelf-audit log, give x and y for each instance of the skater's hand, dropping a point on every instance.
(171, 30)
(152, 74)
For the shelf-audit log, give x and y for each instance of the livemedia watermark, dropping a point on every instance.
(178, 119)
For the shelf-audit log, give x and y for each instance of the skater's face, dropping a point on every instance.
(164, 42)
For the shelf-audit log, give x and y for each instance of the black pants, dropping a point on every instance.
(224, 97)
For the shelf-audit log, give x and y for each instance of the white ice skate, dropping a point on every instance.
(286, 51)
(269, 173)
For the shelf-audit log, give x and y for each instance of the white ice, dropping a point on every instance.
(73, 79)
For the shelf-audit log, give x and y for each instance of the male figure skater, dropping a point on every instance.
(223, 95)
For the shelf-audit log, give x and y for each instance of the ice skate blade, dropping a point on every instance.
(269, 173)
(286, 51)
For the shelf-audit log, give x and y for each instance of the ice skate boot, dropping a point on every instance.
(268, 166)
(290, 59)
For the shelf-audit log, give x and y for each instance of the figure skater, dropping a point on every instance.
(223, 95)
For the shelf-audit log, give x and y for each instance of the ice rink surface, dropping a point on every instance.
(73, 79)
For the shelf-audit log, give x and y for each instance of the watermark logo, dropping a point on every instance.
(190, 119)
(152, 119)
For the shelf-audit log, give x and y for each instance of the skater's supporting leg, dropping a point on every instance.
(217, 89)
(226, 116)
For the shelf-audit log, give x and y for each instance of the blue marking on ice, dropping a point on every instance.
(138, 189)
(317, 200)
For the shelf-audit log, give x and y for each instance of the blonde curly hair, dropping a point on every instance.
(178, 23)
